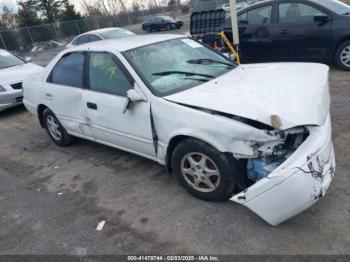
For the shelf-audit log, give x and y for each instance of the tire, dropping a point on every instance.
(55, 130)
(219, 186)
(168, 27)
(342, 56)
(148, 29)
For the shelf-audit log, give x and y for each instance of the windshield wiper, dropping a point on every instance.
(166, 73)
(207, 61)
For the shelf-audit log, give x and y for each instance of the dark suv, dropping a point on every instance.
(296, 30)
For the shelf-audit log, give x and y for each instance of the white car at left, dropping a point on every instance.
(13, 70)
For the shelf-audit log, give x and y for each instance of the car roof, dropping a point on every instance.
(102, 30)
(128, 43)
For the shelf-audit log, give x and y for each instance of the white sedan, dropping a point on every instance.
(12, 71)
(259, 134)
(100, 34)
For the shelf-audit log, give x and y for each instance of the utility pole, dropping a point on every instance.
(235, 33)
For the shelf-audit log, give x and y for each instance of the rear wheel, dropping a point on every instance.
(55, 130)
(148, 29)
(203, 171)
(168, 27)
(342, 56)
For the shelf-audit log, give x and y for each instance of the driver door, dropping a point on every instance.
(105, 100)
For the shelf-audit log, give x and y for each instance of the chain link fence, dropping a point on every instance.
(28, 38)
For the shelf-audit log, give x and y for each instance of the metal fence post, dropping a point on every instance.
(2, 40)
(76, 25)
(30, 36)
(97, 22)
(54, 29)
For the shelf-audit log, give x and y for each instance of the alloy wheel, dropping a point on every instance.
(200, 172)
(345, 56)
(54, 127)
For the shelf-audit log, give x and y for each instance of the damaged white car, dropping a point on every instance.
(259, 135)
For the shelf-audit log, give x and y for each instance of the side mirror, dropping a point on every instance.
(321, 18)
(133, 96)
(28, 59)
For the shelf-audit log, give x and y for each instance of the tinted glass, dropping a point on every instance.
(297, 13)
(260, 16)
(84, 39)
(335, 6)
(175, 65)
(9, 60)
(106, 75)
(69, 70)
(94, 38)
(242, 19)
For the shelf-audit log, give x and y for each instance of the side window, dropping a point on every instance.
(83, 39)
(75, 41)
(107, 76)
(94, 38)
(69, 70)
(259, 16)
(297, 13)
(242, 19)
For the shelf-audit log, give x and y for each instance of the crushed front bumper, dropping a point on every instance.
(10, 98)
(298, 183)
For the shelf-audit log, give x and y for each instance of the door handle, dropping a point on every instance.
(48, 96)
(284, 32)
(92, 106)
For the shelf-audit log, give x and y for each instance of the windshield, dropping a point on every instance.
(335, 6)
(116, 33)
(9, 60)
(176, 65)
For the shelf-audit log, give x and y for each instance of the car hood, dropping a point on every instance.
(18, 73)
(298, 93)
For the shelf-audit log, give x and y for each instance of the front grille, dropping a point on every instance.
(19, 99)
(17, 85)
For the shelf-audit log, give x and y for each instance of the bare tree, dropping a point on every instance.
(93, 8)
(8, 16)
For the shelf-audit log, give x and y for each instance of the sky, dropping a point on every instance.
(77, 3)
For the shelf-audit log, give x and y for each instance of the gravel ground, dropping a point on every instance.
(52, 198)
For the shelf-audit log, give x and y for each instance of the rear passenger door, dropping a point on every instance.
(256, 31)
(298, 35)
(64, 95)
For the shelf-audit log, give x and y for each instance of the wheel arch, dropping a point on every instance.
(41, 109)
(341, 41)
(176, 140)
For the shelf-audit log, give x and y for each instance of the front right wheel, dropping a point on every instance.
(203, 171)
(342, 56)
